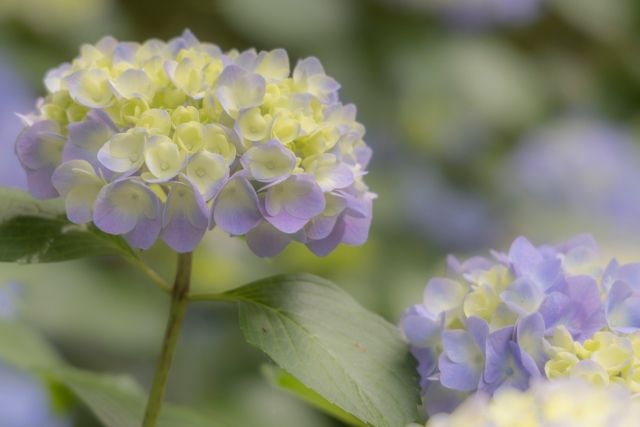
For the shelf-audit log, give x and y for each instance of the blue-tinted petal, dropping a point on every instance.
(523, 256)
(463, 376)
(442, 294)
(523, 294)
(265, 240)
(622, 308)
(185, 218)
(235, 209)
(440, 399)
(497, 354)
(530, 338)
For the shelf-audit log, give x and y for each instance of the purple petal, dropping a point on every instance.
(523, 296)
(41, 145)
(530, 337)
(85, 141)
(459, 345)
(440, 399)
(303, 197)
(257, 160)
(559, 309)
(584, 240)
(523, 256)
(39, 151)
(497, 354)
(622, 308)
(145, 233)
(630, 273)
(363, 156)
(421, 331)
(547, 274)
(80, 209)
(265, 240)
(321, 226)
(609, 275)
(283, 221)
(525, 362)
(463, 376)
(230, 75)
(441, 295)
(79, 190)
(185, 218)
(479, 330)
(355, 207)
(235, 209)
(457, 269)
(126, 205)
(308, 66)
(324, 247)
(584, 291)
(340, 174)
(101, 116)
(125, 52)
(39, 182)
(507, 364)
(247, 60)
(427, 363)
(357, 229)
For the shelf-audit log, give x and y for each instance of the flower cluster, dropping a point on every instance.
(566, 403)
(545, 312)
(172, 139)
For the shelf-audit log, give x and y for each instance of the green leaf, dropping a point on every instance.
(281, 378)
(14, 203)
(23, 347)
(116, 400)
(37, 231)
(353, 358)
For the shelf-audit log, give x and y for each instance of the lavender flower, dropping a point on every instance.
(167, 140)
(534, 312)
(581, 167)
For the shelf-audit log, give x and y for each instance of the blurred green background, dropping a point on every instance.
(488, 119)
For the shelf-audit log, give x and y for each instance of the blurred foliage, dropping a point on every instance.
(450, 111)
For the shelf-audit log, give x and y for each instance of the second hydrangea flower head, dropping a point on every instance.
(171, 139)
(546, 312)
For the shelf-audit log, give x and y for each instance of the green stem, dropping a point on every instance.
(159, 281)
(179, 300)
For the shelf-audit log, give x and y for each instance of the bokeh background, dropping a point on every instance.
(488, 119)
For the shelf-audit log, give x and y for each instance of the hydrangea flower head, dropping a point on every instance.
(535, 312)
(171, 139)
(570, 403)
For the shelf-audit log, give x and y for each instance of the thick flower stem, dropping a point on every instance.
(179, 300)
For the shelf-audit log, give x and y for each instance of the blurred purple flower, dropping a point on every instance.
(453, 218)
(584, 167)
(9, 294)
(16, 96)
(485, 327)
(24, 402)
(480, 14)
